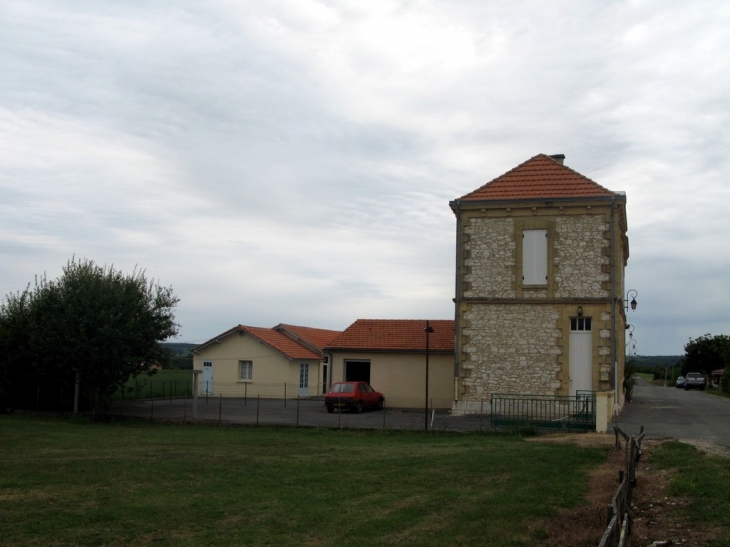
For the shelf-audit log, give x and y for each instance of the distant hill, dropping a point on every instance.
(182, 357)
(179, 349)
(653, 361)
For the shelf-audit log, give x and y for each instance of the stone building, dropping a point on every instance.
(539, 307)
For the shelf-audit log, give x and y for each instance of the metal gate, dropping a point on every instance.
(559, 412)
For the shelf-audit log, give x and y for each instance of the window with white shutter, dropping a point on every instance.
(534, 257)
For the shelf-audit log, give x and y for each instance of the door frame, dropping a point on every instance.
(580, 355)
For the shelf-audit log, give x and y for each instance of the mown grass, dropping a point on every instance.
(704, 479)
(72, 482)
(162, 384)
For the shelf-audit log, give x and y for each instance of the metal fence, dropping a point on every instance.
(298, 411)
(154, 389)
(552, 412)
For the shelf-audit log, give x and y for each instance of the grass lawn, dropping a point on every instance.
(72, 482)
(705, 480)
(164, 383)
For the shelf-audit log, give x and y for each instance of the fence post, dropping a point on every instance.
(220, 407)
(284, 394)
(297, 410)
(481, 415)
(258, 404)
(245, 394)
(152, 409)
(185, 408)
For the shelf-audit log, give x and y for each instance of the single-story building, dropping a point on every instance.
(391, 354)
(716, 377)
(283, 361)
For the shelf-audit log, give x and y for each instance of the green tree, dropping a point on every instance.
(706, 353)
(94, 323)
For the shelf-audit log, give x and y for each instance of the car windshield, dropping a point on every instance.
(343, 388)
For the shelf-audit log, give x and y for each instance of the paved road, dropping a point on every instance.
(678, 414)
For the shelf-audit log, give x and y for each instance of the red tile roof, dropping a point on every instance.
(318, 338)
(282, 343)
(540, 177)
(396, 335)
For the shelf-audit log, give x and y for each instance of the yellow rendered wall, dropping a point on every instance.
(273, 374)
(402, 377)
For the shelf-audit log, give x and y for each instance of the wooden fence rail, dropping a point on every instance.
(618, 528)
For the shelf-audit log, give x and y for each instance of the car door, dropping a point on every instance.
(367, 395)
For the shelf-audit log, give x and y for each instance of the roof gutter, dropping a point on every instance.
(456, 205)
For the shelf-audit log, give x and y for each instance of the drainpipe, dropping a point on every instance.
(614, 358)
(457, 300)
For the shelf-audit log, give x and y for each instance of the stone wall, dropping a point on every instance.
(489, 259)
(581, 257)
(510, 349)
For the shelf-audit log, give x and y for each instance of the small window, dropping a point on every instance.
(245, 370)
(580, 324)
(534, 257)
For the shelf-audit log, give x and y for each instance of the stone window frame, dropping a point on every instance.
(535, 223)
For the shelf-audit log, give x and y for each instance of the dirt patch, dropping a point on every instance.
(657, 517)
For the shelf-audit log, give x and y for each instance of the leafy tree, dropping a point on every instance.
(93, 322)
(706, 353)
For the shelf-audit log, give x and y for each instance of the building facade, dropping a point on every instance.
(391, 355)
(285, 361)
(539, 305)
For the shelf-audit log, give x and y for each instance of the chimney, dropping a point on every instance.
(560, 158)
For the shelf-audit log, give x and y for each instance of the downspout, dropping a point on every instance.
(457, 299)
(613, 304)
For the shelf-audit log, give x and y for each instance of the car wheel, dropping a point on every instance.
(381, 404)
(358, 408)
(330, 409)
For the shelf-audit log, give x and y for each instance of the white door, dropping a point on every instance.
(304, 379)
(581, 355)
(206, 379)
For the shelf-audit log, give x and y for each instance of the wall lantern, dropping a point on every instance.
(580, 311)
(633, 294)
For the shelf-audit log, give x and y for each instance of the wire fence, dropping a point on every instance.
(298, 411)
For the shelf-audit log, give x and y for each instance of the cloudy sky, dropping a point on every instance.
(292, 161)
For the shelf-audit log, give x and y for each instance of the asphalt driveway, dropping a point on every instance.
(678, 414)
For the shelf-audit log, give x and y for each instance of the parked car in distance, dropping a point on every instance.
(680, 382)
(694, 380)
(354, 396)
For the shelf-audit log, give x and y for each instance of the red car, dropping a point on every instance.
(353, 395)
